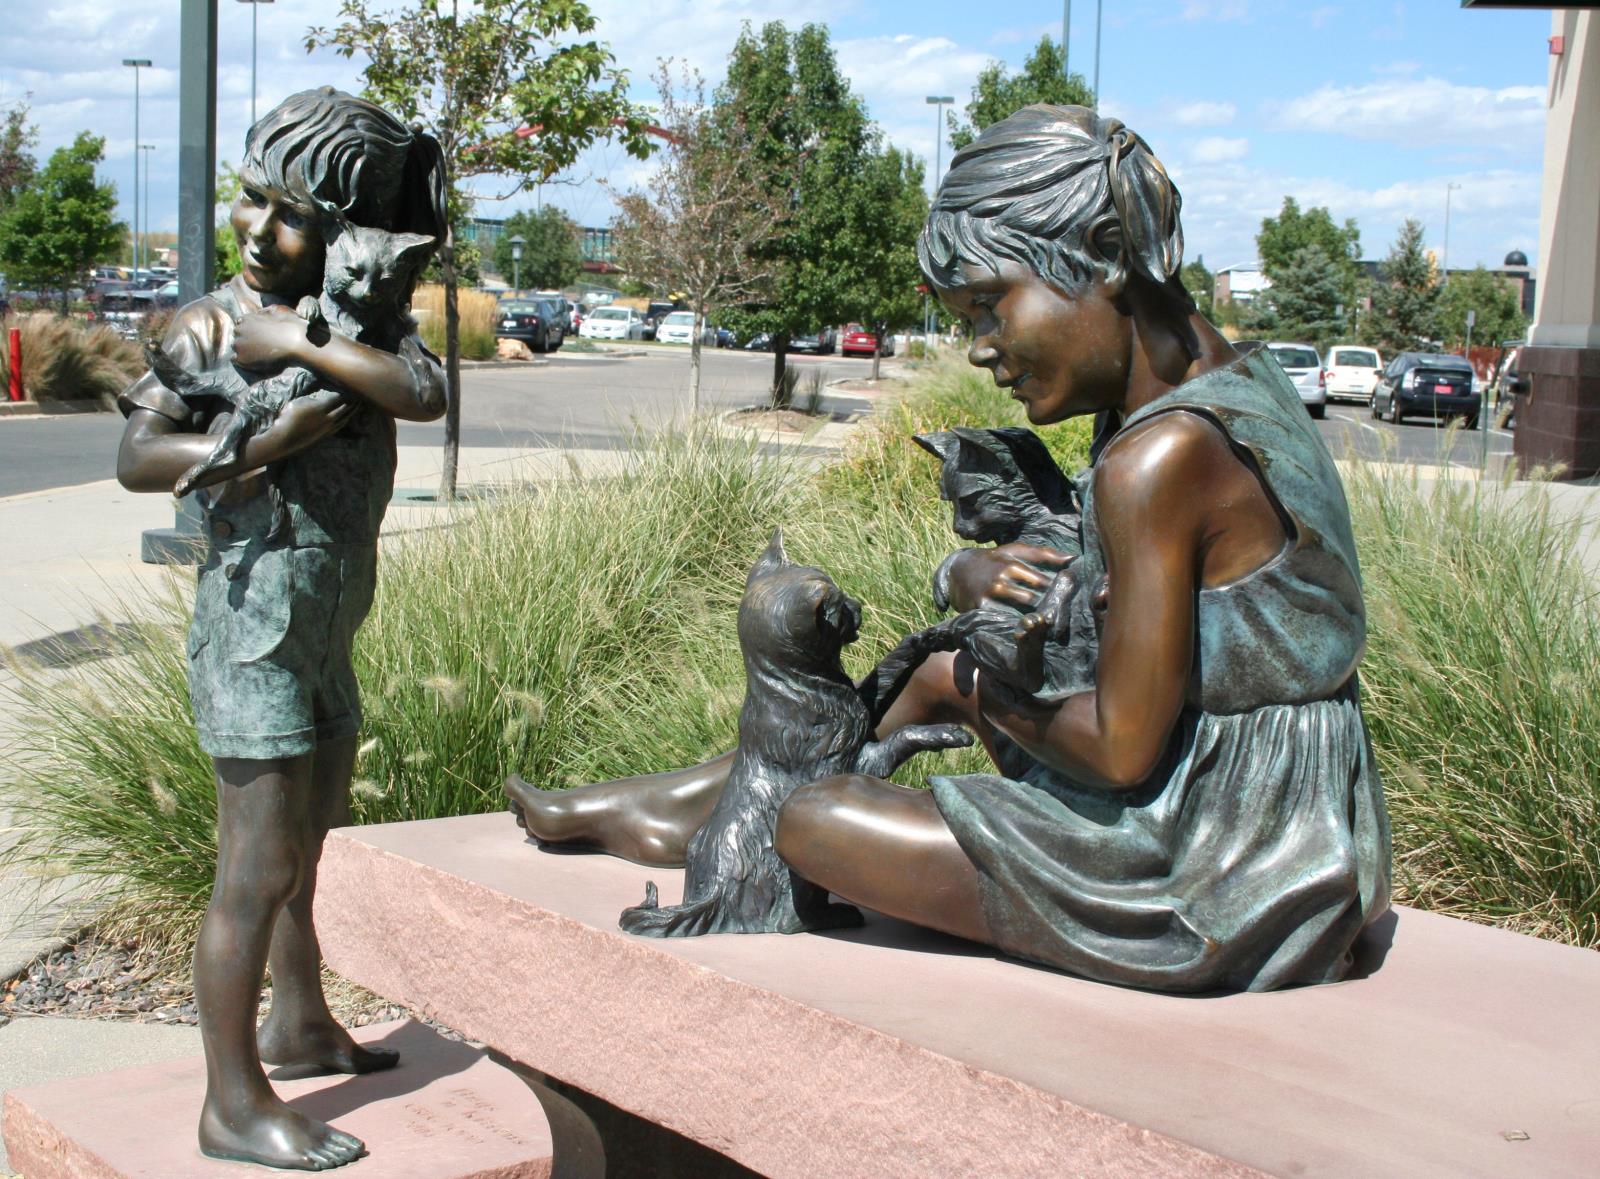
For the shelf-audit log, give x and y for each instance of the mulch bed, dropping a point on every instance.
(93, 978)
(778, 419)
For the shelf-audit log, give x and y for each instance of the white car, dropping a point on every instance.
(613, 323)
(1303, 367)
(1352, 372)
(678, 328)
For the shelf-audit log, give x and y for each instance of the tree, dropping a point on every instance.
(551, 256)
(505, 94)
(225, 247)
(1405, 302)
(1199, 282)
(1283, 236)
(18, 138)
(1305, 297)
(702, 224)
(1498, 312)
(62, 224)
(876, 253)
(999, 94)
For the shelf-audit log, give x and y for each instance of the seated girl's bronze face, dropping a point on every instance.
(1059, 354)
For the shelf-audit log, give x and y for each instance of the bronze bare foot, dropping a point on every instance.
(648, 819)
(314, 1051)
(268, 1132)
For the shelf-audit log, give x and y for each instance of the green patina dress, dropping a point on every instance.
(276, 612)
(1259, 848)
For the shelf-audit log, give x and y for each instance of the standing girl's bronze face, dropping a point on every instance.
(280, 245)
(1060, 355)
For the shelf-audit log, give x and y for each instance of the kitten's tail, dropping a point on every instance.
(651, 920)
(167, 370)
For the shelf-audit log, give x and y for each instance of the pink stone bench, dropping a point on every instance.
(446, 1113)
(891, 1051)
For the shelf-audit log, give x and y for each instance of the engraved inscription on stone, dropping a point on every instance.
(463, 1114)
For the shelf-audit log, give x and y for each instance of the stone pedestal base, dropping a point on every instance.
(1558, 419)
(447, 1112)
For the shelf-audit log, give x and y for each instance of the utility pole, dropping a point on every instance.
(1066, 38)
(1099, 11)
(938, 102)
(147, 147)
(254, 8)
(137, 63)
(1444, 264)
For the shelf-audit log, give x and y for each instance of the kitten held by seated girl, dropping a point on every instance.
(287, 576)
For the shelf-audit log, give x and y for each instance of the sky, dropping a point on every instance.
(1372, 109)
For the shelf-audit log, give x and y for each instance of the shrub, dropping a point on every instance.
(64, 359)
(480, 315)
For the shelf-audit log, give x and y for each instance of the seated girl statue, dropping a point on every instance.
(1203, 813)
(292, 508)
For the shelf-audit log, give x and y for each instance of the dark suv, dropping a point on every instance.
(1429, 383)
(541, 324)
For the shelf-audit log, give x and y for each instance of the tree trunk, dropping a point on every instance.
(877, 349)
(694, 359)
(780, 361)
(452, 370)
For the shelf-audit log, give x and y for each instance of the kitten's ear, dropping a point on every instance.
(414, 248)
(942, 445)
(772, 560)
(334, 223)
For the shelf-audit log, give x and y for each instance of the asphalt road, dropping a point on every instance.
(596, 403)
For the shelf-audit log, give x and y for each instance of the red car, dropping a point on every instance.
(855, 340)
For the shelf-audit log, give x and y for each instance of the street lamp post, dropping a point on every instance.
(938, 102)
(1444, 264)
(517, 242)
(137, 63)
(254, 7)
(145, 147)
(1099, 11)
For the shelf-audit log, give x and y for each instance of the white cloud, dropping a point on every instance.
(1215, 149)
(1205, 114)
(1214, 10)
(1418, 111)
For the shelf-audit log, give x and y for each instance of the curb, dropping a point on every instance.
(43, 409)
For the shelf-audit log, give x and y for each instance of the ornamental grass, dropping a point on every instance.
(583, 629)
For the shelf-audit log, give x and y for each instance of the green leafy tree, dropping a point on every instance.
(63, 223)
(226, 262)
(1405, 301)
(18, 138)
(1284, 236)
(876, 253)
(468, 259)
(1498, 312)
(703, 223)
(513, 89)
(1306, 296)
(1199, 282)
(551, 255)
(1000, 93)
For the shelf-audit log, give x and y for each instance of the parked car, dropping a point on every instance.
(613, 323)
(725, 337)
(653, 316)
(1303, 367)
(678, 328)
(541, 324)
(1427, 382)
(124, 311)
(1352, 372)
(760, 342)
(857, 341)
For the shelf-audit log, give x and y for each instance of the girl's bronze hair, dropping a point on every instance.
(343, 151)
(1068, 194)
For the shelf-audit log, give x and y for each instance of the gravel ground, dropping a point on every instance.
(92, 978)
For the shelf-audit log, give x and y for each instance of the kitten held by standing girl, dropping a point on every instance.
(293, 500)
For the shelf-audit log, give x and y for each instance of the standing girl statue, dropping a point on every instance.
(1204, 813)
(291, 519)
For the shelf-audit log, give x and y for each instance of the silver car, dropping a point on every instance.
(1303, 367)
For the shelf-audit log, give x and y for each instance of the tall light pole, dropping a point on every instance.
(517, 242)
(254, 8)
(137, 63)
(143, 147)
(1444, 263)
(1066, 38)
(938, 102)
(1099, 11)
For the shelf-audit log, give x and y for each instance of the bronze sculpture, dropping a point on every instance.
(292, 510)
(1205, 812)
(802, 719)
